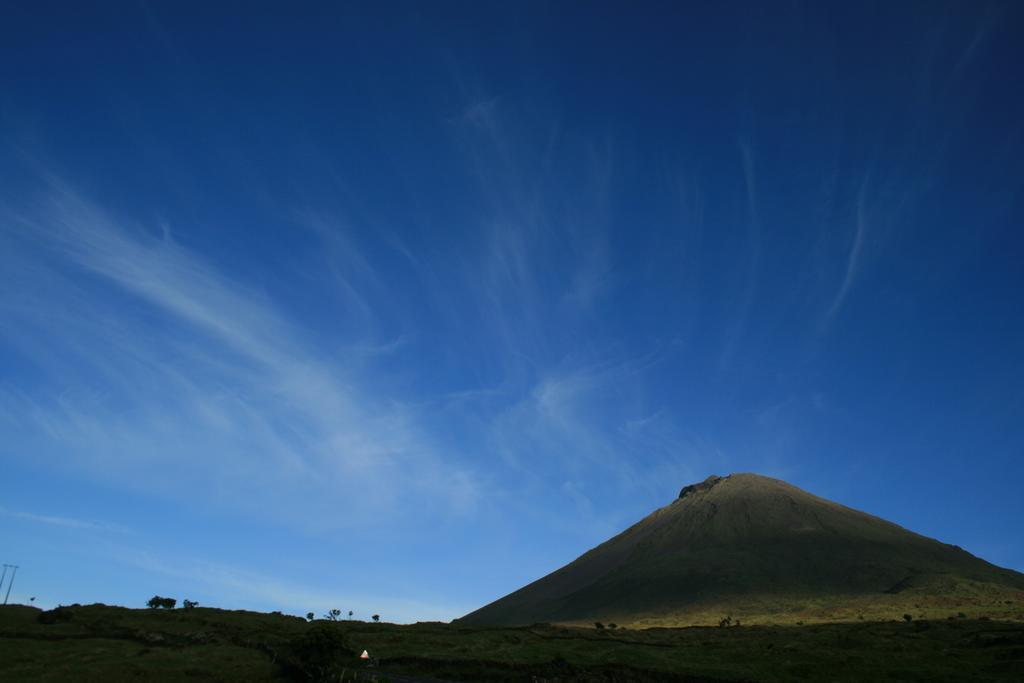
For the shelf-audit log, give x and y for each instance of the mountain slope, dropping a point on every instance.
(744, 539)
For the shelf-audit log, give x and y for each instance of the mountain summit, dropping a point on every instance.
(752, 545)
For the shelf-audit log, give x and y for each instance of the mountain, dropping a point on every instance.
(750, 545)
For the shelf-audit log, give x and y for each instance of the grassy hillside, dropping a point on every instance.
(98, 643)
(758, 546)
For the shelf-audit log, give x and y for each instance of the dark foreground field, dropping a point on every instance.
(98, 643)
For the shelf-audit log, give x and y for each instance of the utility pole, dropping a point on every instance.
(3, 576)
(15, 567)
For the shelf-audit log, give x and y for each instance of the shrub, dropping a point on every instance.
(907, 617)
(55, 615)
(157, 602)
(319, 654)
(613, 626)
(598, 625)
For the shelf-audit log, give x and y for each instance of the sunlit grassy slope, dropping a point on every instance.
(97, 643)
(762, 550)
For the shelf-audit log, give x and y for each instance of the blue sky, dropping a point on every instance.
(398, 307)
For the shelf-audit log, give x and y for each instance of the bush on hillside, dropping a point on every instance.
(158, 602)
(55, 615)
(319, 654)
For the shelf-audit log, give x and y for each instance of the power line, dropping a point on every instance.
(11, 582)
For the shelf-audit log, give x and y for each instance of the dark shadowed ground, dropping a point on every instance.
(99, 643)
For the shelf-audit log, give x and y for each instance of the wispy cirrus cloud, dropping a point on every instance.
(853, 259)
(750, 263)
(181, 370)
(555, 389)
(68, 522)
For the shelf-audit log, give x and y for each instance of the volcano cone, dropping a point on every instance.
(750, 544)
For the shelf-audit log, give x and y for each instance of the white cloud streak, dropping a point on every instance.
(750, 260)
(853, 261)
(68, 522)
(208, 379)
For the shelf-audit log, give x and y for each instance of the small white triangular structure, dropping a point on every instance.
(365, 655)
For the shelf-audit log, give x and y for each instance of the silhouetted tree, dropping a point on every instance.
(189, 604)
(376, 617)
(350, 614)
(613, 626)
(598, 625)
(725, 622)
(907, 617)
(309, 616)
(166, 603)
(333, 614)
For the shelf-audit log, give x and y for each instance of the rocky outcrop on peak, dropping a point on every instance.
(705, 485)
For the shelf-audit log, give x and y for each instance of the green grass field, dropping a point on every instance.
(99, 643)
